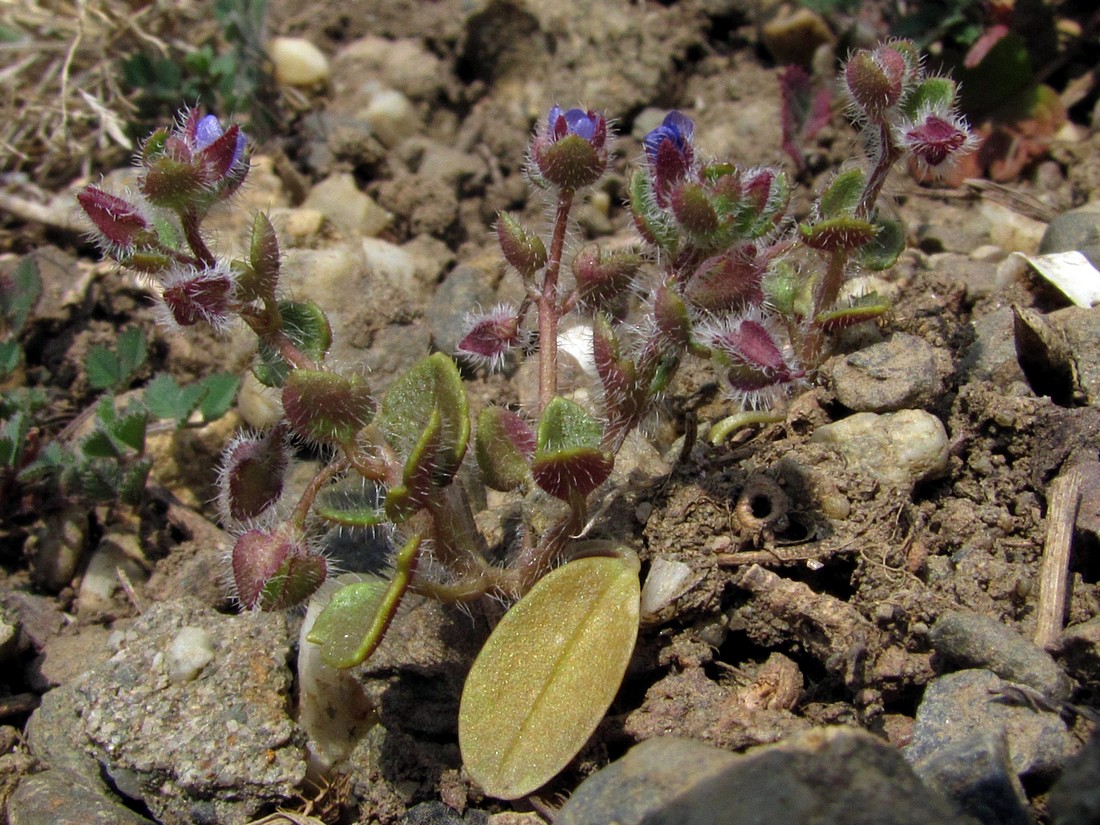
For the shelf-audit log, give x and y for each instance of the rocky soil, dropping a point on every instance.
(849, 610)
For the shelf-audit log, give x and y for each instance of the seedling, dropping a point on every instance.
(739, 283)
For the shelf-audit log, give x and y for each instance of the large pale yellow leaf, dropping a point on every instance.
(548, 674)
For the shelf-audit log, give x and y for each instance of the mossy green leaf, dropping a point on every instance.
(883, 250)
(548, 673)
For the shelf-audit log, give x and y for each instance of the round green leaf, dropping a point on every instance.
(548, 673)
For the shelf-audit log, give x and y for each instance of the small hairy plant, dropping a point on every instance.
(100, 457)
(737, 282)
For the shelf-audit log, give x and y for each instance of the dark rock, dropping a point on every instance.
(897, 374)
(464, 290)
(976, 773)
(1080, 649)
(973, 640)
(992, 355)
(1078, 229)
(961, 705)
(432, 813)
(58, 797)
(1081, 329)
(1075, 797)
(822, 776)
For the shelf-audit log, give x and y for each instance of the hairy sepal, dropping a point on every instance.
(505, 445)
(568, 460)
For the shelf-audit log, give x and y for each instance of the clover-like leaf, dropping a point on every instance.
(568, 460)
(548, 673)
(504, 445)
(353, 623)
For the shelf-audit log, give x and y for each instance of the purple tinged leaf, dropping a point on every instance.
(272, 571)
(672, 317)
(875, 81)
(728, 282)
(251, 479)
(326, 407)
(604, 278)
(504, 446)
(120, 221)
(693, 210)
(491, 337)
(263, 257)
(206, 294)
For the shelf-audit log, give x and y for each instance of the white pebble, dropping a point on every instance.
(297, 62)
(189, 653)
(392, 117)
(666, 582)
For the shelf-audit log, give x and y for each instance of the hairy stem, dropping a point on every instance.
(549, 308)
(190, 222)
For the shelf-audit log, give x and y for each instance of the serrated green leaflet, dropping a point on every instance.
(547, 674)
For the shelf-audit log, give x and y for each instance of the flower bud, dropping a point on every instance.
(670, 153)
(875, 81)
(121, 223)
(252, 474)
(274, 570)
(573, 152)
(604, 278)
(490, 337)
(193, 294)
(326, 407)
(522, 249)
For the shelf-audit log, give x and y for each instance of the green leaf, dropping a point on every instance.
(842, 194)
(19, 293)
(167, 399)
(883, 250)
(131, 489)
(132, 351)
(102, 368)
(99, 444)
(547, 674)
(353, 623)
(219, 394)
(568, 459)
(129, 428)
(307, 326)
(417, 476)
(504, 445)
(13, 439)
(11, 356)
(431, 387)
(325, 406)
(843, 233)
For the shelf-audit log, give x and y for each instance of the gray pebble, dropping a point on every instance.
(1075, 797)
(833, 776)
(976, 772)
(961, 705)
(972, 640)
(58, 797)
(897, 374)
(1077, 229)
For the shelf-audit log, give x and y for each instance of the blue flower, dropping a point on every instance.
(208, 129)
(590, 126)
(572, 152)
(677, 128)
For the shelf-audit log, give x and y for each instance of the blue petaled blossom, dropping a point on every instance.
(573, 122)
(208, 129)
(677, 128)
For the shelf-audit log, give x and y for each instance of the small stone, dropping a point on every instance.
(973, 640)
(59, 797)
(1075, 797)
(191, 650)
(346, 207)
(899, 449)
(101, 580)
(300, 227)
(977, 774)
(992, 356)
(819, 776)
(466, 289)
(1010, 230)
(666, 580)
(959, 705)
(260, 406)
(1078, 229)
(1081, 329)
(1080, 650)
(392, 116)
(391, 263)
(57, 547)
(897, 374)
(298, 62)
